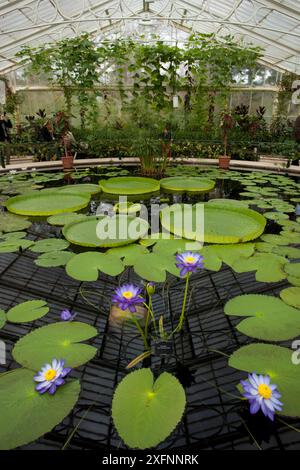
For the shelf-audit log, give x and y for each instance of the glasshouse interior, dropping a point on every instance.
(149, 225)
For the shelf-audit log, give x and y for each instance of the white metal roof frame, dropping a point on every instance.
(272, 24)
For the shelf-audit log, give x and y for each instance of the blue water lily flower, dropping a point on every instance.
(66, 315)
(189, 262)
(261, 394)
(51, 376)
(127, 297)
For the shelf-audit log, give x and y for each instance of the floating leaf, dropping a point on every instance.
(187, 184)
(64, 219)
(81, 188)
(119, 230)
(54, 259)
(293, 269)
(49, 244)
(215, 255)
(60, 340)
(129, 253)
(47, 203)
(275, 239)
(291, 296)
(222, 224)
(129, 185)
(86, 266)
(127, 207)
(13, 236)
(27, 311)
(268, 266)
(276, 362)
(271, 319)
(25, 414)
(11, 245)
(146, 411)
(13, 223)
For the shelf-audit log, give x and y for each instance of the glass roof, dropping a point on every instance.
(272, 24)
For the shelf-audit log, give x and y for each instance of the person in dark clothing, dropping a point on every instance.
(5, 125)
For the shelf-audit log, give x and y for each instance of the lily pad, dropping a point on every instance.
(268, 266)
(145, 411)
(65, 218)
(222, 224)
(276, 362)
(215, 255)
(293, 269)
(54, 258)
(118, 230)
(82, 188)
(12, 236)
(275, 239)
(25, 414)
(127, 207)
(129, 185)
(187, 184)
(13, 223)
(86, 266)
(11, 245)
(47, 203)
(270, 318)
(27, 311)
(129, 253)
(49, 244)
(291, 296)
(60, 340)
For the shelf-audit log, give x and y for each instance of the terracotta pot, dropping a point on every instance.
(224, 162)
(67, 162)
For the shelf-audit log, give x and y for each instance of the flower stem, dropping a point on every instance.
(136, 322)
(150, 312)
(182, 315)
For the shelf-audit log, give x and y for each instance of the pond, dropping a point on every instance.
(240, 311)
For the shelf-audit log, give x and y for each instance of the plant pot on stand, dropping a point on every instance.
(224, 162)
(67, 161)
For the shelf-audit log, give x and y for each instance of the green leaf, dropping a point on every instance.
(25, 414)
(27, 311)
(80, 188)
(146, 411)
(13, 223)
(268, 266)
(187, 184)
(276, 362)
(293, 269)
(129, 253)
(64, 219)
(129, 185)
(49, 244)
(275, 239)
(271, 319)
(291, 296)
(54, 259)
(13, 236)
(86, 266)
(47, 203)
(11, 245)
(58, 340)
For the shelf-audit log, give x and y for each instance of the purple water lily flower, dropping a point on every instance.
(51, 376)
(66, 315)
(189, 262)
(262, 395)
(127, 297)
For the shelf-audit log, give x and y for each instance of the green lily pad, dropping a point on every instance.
(124, 230)
(187, 184)
(27, 311)
(13, 223)
(275, 239)
(229, 202)
(82, 188)
(54, 258)
(146, 411)
(268, 266)
(2, 318)
(270, 318)
(47, 203)
(293, 269)
(289, 251)
(12, 236)
(215, 255)
(129, 253)
(25, 414)
(60, 340)
(222, 224)
(153, 266)
(86, 266)
(275, 216)
(291, 296)
(129, 185)
(65, 218)
(11, 245)
(49, 244)
(276, 362)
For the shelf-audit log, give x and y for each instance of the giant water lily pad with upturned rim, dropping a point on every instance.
(222, 224)
(42, 203)
(129, 185)
(187, 184)
(84, 232)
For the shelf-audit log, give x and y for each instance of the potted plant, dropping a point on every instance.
(67, 159)
(226, 124)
